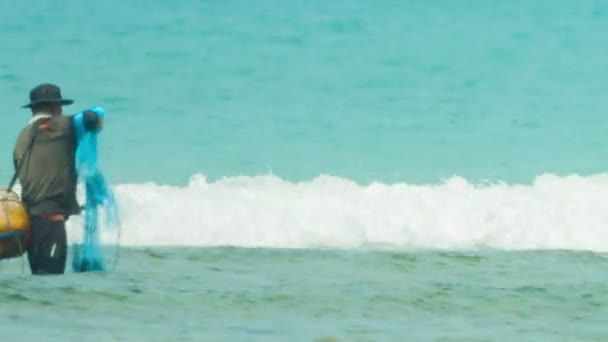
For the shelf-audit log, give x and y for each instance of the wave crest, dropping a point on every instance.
(266, 211)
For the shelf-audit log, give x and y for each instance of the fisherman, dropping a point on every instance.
(48, 178)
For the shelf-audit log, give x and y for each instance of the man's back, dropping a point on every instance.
(48, 177)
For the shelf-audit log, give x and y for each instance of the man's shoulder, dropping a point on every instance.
(58, 124)
(63, 120)
(44, 121)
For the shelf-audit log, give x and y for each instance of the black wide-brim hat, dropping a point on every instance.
(46, 93)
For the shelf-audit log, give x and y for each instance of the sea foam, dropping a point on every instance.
(554, 212)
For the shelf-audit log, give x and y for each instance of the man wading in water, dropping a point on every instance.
(47, 149)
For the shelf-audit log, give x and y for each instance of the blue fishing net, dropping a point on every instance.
(89, 256)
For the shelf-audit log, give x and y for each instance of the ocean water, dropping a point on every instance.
(326, 171)
(237, 294)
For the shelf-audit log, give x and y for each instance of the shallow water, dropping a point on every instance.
(237, 294)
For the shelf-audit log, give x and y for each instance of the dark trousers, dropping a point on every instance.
(47, 246)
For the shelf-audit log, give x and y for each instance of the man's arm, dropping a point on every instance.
(85, 121)
(91, 121)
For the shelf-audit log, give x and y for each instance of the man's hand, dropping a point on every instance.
(92, 121)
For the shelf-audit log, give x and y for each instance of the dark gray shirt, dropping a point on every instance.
(48, 177)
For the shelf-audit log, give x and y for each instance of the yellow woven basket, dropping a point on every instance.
(14, 225)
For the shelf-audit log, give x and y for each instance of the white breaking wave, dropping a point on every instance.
(552, 213)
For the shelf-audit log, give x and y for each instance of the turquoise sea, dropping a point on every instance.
(326, 170)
